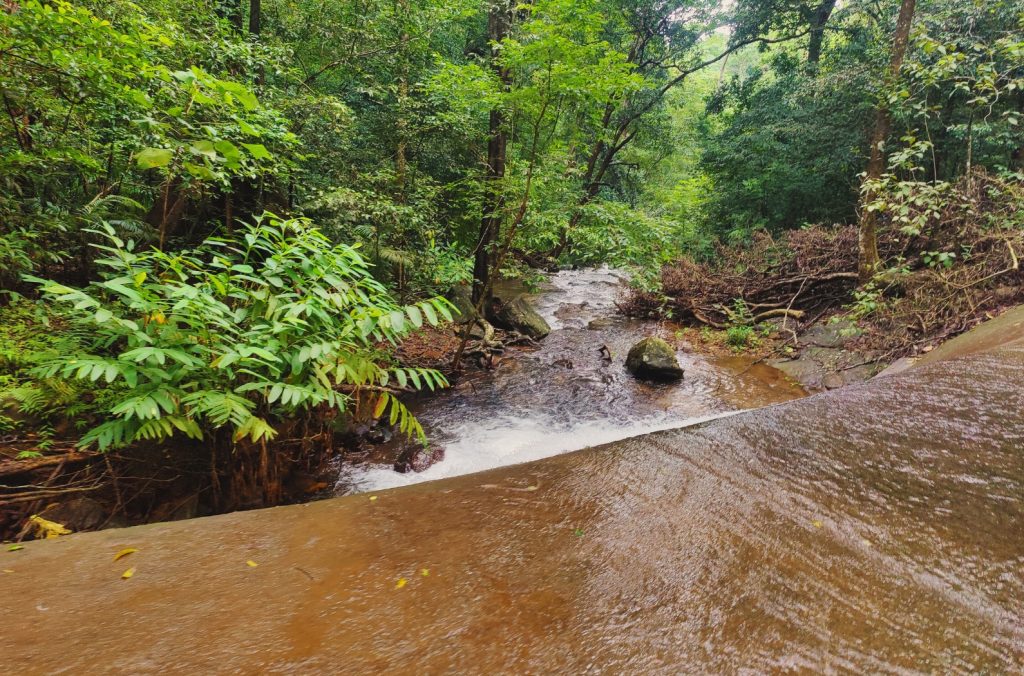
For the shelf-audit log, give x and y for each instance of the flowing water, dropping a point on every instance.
(877, 528)
(565, 395)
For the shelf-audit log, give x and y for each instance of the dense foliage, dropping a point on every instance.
(410, 146)
(235, 334)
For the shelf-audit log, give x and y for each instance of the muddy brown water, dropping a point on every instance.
(564, 395)
(876, 528)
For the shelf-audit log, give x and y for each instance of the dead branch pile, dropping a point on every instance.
(920, 297)
(925, 300)
(797, 275)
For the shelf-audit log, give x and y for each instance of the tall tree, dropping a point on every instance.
(868, 235)
(255, 17)
(665, 50)
(499, 20)
(818, 18)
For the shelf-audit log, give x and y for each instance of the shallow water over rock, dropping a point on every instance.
(566, 394)
(874, 529)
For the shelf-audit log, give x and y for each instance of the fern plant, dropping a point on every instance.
(237, 332)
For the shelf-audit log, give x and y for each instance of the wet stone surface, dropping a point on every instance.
(874, 529)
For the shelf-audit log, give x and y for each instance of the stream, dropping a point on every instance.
(875, 528)
(564, 395)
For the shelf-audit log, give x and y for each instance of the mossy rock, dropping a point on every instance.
(654, 359)
(518, 315)
(461, 296)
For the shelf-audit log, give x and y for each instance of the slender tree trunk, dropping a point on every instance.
(819, 17)
(255, 26)
(254, 17)
(721, 72)
(498, 20)
(868, 236)
(402, 124)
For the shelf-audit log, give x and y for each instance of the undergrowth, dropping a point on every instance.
(958, 263)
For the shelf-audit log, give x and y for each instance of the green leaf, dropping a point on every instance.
(397, 320)
(414, 315)
(151, 158)
(204, 148)
(258, 150)
(428, 310)
(248, 128)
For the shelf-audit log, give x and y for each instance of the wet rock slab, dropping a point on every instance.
(825, 362)
(877, 528)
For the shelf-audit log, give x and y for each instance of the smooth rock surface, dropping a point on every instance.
(874, 529)
(830, 334)
(461, 296)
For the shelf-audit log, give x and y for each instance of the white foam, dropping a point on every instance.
(509, 441)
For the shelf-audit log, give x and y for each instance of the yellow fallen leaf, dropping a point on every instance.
(127, 574)
(251, 563)
(124, 552)
(401, 583)
(425, 572)
(14, 548)
(47, 529)
(817, 524)
(372, 498)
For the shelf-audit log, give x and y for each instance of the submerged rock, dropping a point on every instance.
(418, 458)
(518, 315)
(653, 359)
(78, 514)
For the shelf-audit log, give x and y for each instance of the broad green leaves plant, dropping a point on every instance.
(238, 333)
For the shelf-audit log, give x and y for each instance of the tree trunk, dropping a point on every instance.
(402, 124)
(254, 17)
(819, 17)
(498, 20)
(868, 236)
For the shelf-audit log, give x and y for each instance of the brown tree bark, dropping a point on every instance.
(819, 17)
(254, 17)
(868, 235)
(402, 124)
(498, 21)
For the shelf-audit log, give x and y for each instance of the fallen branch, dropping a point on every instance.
(780, 312)
(14, 467)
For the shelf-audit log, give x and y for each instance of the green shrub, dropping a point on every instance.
(739, 336)
(236, 333)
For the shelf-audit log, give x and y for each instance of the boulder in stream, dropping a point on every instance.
(518, 315)
(461, 296)
(653, 359)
